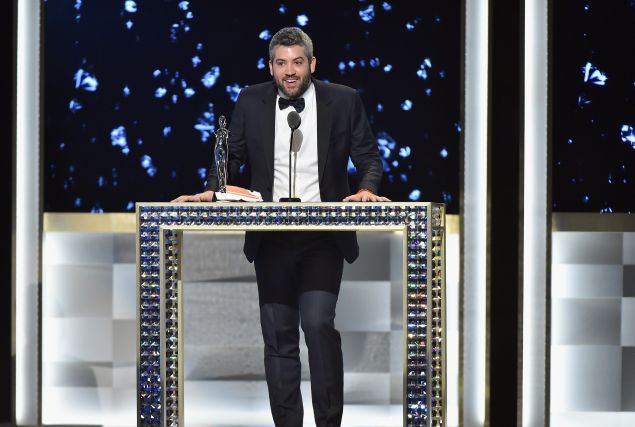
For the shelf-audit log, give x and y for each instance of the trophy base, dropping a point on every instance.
(289, 199)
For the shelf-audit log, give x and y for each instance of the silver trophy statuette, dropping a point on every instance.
(220, 153)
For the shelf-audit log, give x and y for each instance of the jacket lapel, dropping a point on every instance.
(323, 124)
(269, 129)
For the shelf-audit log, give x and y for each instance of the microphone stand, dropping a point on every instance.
(295, 170)
(291, 197)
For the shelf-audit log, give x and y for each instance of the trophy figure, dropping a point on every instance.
(220, 153)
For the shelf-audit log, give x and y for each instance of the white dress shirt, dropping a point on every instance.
(307, 186)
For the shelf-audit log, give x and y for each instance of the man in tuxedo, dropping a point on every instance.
(299, 273)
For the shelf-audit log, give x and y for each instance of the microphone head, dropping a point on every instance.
(293, 119)
(296, 144)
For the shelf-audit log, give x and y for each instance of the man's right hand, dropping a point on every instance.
(205, 196)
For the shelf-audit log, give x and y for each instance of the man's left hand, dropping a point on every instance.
(365, 196)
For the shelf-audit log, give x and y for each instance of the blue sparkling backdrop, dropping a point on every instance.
(133, 90)
(593, 106)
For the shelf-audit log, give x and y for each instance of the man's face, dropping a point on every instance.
(291, 70)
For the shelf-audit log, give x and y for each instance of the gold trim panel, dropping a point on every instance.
(89, 222)
(591, 221)
(123, 222)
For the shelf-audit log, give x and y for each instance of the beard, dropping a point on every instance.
(304, 82)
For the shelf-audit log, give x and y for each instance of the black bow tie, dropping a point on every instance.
(297, 103)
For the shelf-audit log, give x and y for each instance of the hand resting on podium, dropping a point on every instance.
(205, 196)
(365, 196)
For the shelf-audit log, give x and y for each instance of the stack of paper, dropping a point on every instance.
(238, 194)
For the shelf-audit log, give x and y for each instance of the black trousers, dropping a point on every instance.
(299, 276)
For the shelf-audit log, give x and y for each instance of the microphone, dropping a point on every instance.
(294, 121)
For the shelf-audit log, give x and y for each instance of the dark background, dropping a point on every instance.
(593, 168)
(85, 172)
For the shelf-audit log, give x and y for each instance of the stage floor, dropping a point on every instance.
(593, 419)
(239, 404)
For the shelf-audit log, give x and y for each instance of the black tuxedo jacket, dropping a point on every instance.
(343, 131)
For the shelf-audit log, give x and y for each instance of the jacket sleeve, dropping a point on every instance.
(364, 151)
(236, 147)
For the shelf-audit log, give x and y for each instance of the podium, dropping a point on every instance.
(160, 228)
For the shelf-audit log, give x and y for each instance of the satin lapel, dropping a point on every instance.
(269, 129)
(322, 101)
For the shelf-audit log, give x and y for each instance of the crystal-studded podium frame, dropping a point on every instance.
(160, 228)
